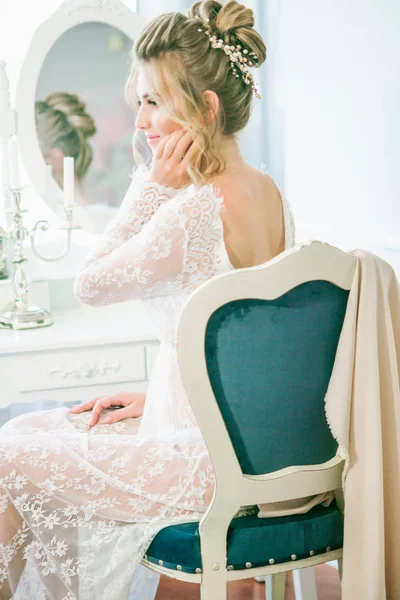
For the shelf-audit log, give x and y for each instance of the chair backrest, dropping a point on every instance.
(256, 349)
(269, 364)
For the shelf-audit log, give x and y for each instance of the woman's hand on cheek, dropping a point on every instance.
(172, 156)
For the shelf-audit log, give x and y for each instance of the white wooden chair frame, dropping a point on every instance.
(234, 489)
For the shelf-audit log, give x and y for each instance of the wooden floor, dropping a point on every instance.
(328, 587)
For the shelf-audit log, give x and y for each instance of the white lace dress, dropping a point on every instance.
(79, 509)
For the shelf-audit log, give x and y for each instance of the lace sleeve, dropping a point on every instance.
(141, 201)
(158, 256)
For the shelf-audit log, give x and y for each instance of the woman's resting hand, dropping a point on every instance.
(132, 403)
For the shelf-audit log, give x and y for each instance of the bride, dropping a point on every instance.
(83, 492)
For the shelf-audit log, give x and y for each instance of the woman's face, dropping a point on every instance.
(152, 116)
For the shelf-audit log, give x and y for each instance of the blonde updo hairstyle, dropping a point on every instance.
(181, 64)
(62, 122)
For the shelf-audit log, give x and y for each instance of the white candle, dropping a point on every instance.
(69, 180)
(14, 171)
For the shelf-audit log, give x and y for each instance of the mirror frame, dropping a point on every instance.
(67, 16)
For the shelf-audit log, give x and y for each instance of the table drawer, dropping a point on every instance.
(79, 367)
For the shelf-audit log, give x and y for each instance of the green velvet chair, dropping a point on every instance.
(256, 349)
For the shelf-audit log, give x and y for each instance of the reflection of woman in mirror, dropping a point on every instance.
(97, 497)
(63, 127)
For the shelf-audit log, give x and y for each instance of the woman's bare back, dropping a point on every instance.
(252, 217)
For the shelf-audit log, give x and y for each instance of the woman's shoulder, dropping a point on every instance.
(245, 189)
(247, 180)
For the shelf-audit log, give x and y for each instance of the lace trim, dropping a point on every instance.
(152, 197)
(142, 173)
(204, 237)
(290, 229)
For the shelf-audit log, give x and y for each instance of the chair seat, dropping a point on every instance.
(253, 540)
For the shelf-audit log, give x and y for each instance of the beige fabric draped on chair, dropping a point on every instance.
(363, 411)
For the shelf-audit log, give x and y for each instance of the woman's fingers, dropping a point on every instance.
(133, 402)
(183, 146)
(114, 399)
(160, 150)
(98, 408)
(117, 415)
(79, 408)
(193, 150)
(171, 144)
(160, 147)
(175, 145)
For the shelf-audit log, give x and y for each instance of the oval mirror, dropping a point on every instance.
(70, 102)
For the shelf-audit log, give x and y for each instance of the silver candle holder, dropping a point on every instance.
(22, 314)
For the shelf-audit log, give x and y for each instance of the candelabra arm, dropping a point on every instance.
(44, 226)
(23, 315)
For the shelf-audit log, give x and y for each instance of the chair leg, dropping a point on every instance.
(213, 586)
(304, 584)
(275, 586)
(340, 567)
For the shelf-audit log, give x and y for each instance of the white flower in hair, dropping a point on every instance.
(238, 59)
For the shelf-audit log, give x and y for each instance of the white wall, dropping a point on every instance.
(341, 82)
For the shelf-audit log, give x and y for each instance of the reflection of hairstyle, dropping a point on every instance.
(62, 122)
(181, 64)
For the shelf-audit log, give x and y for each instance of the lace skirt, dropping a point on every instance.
(79, 509)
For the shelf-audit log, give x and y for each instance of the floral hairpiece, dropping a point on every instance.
(237, 56)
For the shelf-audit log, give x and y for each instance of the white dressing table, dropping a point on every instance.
(87, 352)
